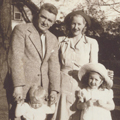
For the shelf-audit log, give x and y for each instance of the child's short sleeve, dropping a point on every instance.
(21, 109)
(25, 107)
(49, 109)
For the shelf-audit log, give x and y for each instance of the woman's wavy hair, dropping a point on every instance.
(68, 19)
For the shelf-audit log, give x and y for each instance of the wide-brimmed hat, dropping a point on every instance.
(78, 12)
(95, 67)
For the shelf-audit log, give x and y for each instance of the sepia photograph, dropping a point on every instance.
(59, 60)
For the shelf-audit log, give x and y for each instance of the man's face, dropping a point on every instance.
(46, 20)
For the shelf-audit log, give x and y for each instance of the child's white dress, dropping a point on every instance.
(96, 112)
(35, 114)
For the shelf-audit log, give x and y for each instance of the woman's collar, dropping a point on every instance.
(82, 40)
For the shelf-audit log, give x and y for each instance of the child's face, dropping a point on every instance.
(36, 104)
(94, 80)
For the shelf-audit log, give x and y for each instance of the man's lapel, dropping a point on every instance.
(35, 39)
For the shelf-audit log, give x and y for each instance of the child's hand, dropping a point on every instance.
(100, 103)
(90, 102)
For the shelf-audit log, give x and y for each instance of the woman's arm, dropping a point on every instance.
(94, 51)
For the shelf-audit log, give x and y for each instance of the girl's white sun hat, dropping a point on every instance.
(95, 67)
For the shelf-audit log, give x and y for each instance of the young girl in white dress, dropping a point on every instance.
(96, 98)
(37, 108)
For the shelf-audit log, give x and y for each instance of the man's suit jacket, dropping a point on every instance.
(27, 67)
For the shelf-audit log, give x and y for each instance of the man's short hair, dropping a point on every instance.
(49, 7)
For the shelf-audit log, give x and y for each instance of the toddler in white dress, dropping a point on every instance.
(37, 108)
(96, 98)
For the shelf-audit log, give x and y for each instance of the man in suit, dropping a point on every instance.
(33, 55)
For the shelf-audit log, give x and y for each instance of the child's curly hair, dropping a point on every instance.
(36, 93)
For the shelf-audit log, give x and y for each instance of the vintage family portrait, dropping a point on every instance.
(59, 59)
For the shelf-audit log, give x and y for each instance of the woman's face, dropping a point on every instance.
(77, 25)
